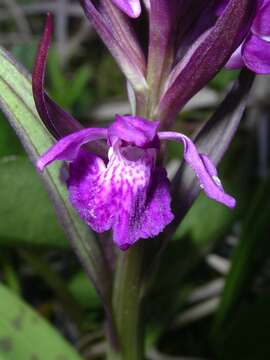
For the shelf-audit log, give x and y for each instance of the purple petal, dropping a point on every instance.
(127, 196)
(236, 61)
(158, 211)
(58, 122)
(261, 23)
(256, 55)
(203, 168)
(67, 148)
(84, 173)
(134, 130)
(131, 7)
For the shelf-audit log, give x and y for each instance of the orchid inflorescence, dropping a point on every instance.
(117, 185)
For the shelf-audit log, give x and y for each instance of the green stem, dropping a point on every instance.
(126, 303)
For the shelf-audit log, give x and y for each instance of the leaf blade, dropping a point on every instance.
(17, 103)
(23, 333)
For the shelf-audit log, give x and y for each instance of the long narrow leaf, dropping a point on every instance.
(17, 103)
(24, 334)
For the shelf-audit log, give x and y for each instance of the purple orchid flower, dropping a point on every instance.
(254, 51)
(130, 7)
(130, 193)
(124, 191)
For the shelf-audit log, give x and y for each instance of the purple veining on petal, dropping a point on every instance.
(67, 148)
(128, 196)
(84, 173)
(134, 130)
(130, 7)
(203, 168)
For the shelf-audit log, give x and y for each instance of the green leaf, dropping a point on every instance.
(17, 103)
(24, 334)
(19, 196)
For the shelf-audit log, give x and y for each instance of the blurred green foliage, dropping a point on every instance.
(25, 335)
(29, 215)
(223, 79)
